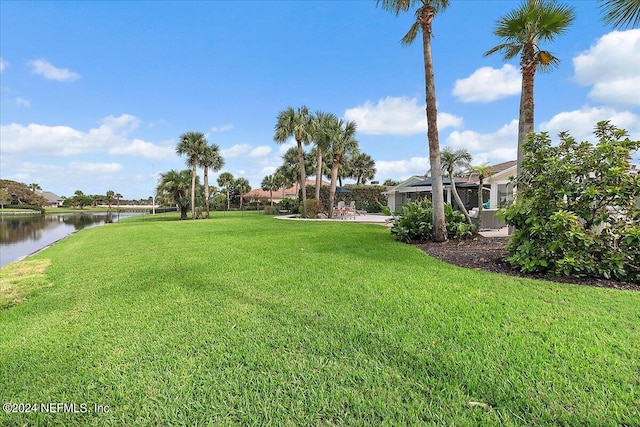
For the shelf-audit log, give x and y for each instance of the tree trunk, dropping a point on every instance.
(458, 200)
(271, 196)
(439, 226)
(183, 212)
(193, 190)
(206, 191)
(319, 174)
(525, 123)
(332, 188)
(480, 200)
(303, 179)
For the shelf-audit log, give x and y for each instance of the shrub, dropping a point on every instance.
(314, 207)
(415, 224)
(576, 210)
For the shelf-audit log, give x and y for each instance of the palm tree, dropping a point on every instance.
(192, 145)
(242, 186)
(483, 171)
(173, 188)
(621, 13)
(118, 196)
(521, 31)
(210, 159)
(34, 187)
(426, 12)
(270, 183)
(452, 160)
(343, 142)
(285, 177)
(227, 181)
(297, 123)
(291, 166)
(110, 196)
(321, 121)
(363, 168)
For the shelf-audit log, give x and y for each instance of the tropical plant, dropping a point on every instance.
(483, 171)
(242, 186)
(193, 146)
(390, 182)
(173, 189)
(450, 161)
(521, 31)
(34, 187)
(109, 197)
(270, 184)
(621, 13)
(363, 168)
(321, 122)
(426, 12)
(118, 196)
(577, 208)
(299, 125)
(226, 180)
(210, 159)
(342, 139)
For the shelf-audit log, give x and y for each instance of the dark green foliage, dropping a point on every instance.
(415, 224)
(576, 211)
(365, 196)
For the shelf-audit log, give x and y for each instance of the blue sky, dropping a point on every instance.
(93, 95)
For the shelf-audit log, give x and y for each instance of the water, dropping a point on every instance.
(22, 235)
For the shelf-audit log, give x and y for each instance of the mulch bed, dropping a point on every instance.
(488, 253)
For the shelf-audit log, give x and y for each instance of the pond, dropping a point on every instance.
(22, 235)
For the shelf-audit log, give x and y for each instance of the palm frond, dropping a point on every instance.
(621, 13)
(411, 34)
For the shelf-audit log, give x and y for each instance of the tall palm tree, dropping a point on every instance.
(363, 168)
(621, 13)
(118, 196)
(34, 187)
(285, 177)
(270, 183)
(426, 12)
(110, 196)
(210, 159)
(343, 142)
(298, 124)
(521, 31)
(321, 121)
(242, 186)
(192, 145)
(173, 188)
(452, 160)
(483, 171)
(291, 166)
(226, 180)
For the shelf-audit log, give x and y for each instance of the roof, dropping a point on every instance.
(51, 197)
(495, 169)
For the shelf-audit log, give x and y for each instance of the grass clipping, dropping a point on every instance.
(20, 279)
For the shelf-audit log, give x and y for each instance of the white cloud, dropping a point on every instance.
(66, 141)
(580, 123)
(49, 71)
(223, 128)
(402, 169)
(496, 147)
(96, 168)
(488, 84)
(396, 116)
(21, 102)
(286, 146)
(145, 149)
(611, 67)
(260, 151)
(3, 64)
(235, 151)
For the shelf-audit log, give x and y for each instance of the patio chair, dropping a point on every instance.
(351, 210)
(339, 211)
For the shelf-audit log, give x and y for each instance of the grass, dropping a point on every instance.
(249, 320)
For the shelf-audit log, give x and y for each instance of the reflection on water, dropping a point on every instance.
(21, 235)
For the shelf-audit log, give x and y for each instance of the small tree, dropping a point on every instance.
(226, 180)
(242, 186)
(577, 207)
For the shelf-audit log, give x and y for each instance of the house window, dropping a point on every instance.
(505, 195)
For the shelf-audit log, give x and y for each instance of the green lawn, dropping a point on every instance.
(250, 320)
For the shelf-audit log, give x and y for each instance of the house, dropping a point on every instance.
(496, 192)
(53, 200)
(258, 194)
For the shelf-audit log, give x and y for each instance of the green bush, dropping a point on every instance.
(576, 211)
(415, 224)
(314, 207)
